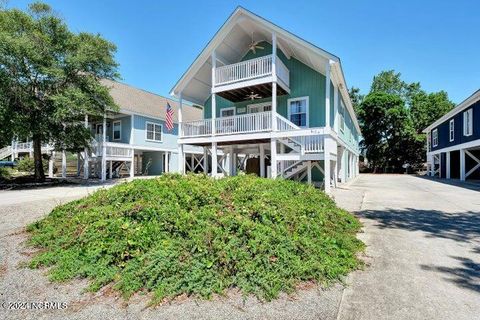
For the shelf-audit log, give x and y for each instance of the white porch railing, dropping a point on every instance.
(113, 149)
(251, 69)
(313, 144)
(245, 123)
(197, 128)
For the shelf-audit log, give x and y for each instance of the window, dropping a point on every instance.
(260, 107)
(452, 130)
(468, 122)
(435, 137)
(117, 130)
(153, 132)
(298, 111)
(227, 112)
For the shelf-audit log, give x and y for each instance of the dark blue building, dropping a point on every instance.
(453, 142)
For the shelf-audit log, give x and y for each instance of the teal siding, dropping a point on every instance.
(304, 81)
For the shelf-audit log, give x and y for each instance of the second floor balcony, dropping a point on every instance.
(251, 72)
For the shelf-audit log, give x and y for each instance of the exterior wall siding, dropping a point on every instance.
(304, 81)
(459, 138)
(169, 138)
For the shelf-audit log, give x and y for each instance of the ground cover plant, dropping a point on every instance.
(199, 236)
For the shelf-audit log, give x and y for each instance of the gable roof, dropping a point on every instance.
(459, 108)
(141, 102)
(230, 43)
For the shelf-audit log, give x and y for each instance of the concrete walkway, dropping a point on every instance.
(423, 241)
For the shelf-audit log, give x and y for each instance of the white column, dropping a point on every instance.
(205, 160)
(309, 172)
(273, 157)
(326, 164)
(85, 155)
(448, 165)
(13, 150)
(274, 82)
(335, 109)
(214, 160)
(132, 164)
(181, 155)
(262, 160)
(50, 164)
(431, 167)
(335, 173)
(214, 98)
(462, 165)
(110, 169)
(327, 94)
(104, 149)
(64, 164)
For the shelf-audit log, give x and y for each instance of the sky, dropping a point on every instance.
(434, 42)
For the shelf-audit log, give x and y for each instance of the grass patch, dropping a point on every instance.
(196, 235)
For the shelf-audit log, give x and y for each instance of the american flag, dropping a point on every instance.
(169, 117)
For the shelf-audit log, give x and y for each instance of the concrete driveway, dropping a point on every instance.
(423, 251)
(423, 258)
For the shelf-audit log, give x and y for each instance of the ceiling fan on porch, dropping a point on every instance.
(253, 96)
(254, 45)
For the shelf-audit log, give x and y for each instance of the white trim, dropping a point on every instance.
(451, 130)
(466, 145)
(307, 122)
(228, 109)
(96, 127)
(154, 124)
(113, 129)
(459, 108)
(468, 125)
(435, 137)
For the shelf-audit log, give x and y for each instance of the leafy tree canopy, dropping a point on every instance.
(392, 117)
(49, 79)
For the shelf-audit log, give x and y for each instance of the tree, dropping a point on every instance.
(391, 83)
(426, 108)
(392, 117)
(385, 130)
(50, 78)
(355, 97)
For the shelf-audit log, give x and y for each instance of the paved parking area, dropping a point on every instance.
(423, 239)
(423, 259)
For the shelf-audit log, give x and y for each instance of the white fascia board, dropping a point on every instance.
(459, 108)
(466, 145)
(225, 29)
(337, 68)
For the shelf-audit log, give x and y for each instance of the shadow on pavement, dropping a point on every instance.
(464, 226)
(469, 184)
(467, 275)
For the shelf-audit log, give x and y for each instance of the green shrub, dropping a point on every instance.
(27, 164)
(5, 173)
(196, 235)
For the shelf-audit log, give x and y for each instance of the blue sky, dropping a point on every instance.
(433, 42)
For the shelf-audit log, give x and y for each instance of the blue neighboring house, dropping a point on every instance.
(132, 141)
(453, 142)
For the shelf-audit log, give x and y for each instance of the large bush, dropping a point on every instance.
(196, 235)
